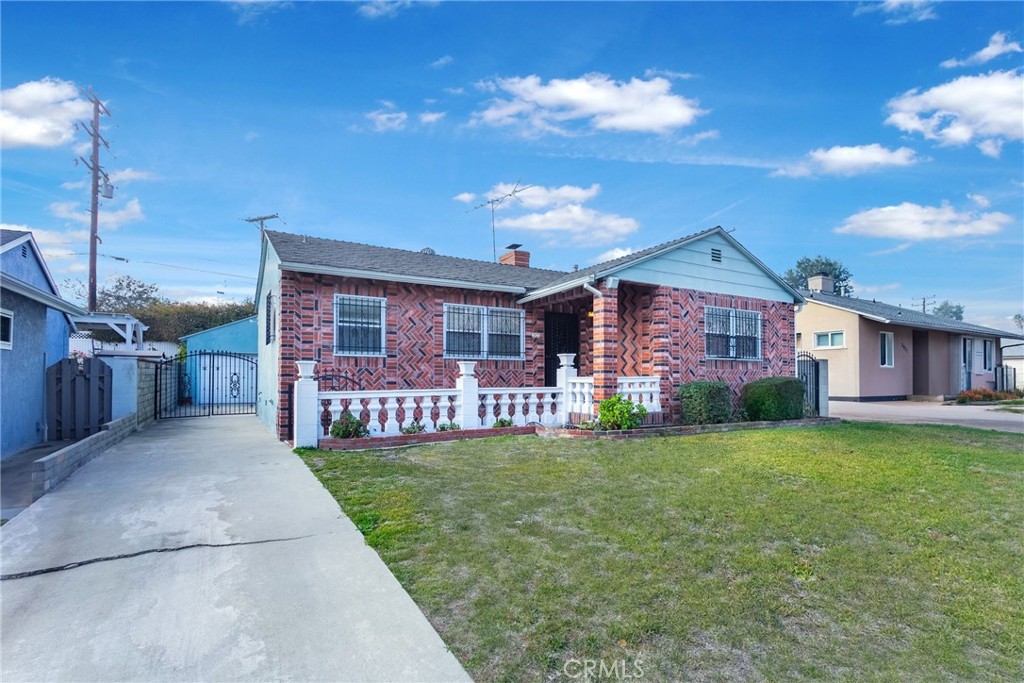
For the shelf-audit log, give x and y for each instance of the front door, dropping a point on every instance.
(967, 363)
(561, 335)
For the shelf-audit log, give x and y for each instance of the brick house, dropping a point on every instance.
(386, 320)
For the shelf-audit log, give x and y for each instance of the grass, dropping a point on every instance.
(860, 551)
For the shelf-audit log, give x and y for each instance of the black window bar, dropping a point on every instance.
(359, 326)
(732, 334)
(478, 332)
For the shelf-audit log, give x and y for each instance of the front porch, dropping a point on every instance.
(467, 404)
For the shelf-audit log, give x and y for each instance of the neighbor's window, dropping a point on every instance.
(989, 347)
(271, 315)
(885, 346)
(359, 325)
(829, 340)
(732, 333)
(6, 328)
(482, 332)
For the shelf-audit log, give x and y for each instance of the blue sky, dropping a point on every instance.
(887, 135)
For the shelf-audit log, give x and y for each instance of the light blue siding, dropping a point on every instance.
(26, 268)
(689, 266)
(22, 375)
(237, 337)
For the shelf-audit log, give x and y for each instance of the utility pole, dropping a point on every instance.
(925, 300)
(494, 204)
(94, 166)
(261, 220)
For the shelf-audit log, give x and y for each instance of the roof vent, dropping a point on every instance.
(428, 250)
(716, 255)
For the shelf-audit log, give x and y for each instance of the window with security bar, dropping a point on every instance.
(359, 325)
(732, 334)
(482, 332)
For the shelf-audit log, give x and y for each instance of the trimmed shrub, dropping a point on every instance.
(773, 398)
(503, 422)
(413, 428)
(348, 426)
(986, 394)
(705, 403)
(620, 413)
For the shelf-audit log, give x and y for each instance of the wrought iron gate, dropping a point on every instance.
(807, 371)
(205, 383)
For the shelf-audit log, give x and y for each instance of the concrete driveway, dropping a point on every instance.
(922, 412)
(203, 549)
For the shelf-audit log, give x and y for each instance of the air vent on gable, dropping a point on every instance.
(716, 255)
(24, 251)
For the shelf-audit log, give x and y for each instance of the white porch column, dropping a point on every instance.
(306, 416)
(564, 373)
(468, 387)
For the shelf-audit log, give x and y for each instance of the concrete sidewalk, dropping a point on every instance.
(205, 550)
(924, 412)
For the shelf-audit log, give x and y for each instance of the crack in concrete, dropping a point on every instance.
(111, 558)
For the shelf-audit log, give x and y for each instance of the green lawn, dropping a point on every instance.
(858, 551)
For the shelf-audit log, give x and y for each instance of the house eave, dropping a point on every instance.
(35, 294)
(876, 318)
(556, 289)
(396, 277)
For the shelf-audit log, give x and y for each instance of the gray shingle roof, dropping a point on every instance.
(318, 251)
(897, 315)
(7, 235)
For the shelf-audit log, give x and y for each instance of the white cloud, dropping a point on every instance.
(997, 46)
(441, 62)
(637, 105)
(614, 253)
(387, 118)
(980, 199)
(56, 245)
(988, 108)
(578, 224)
(127, 175)
(874, 289)
(899, 248)
(848, 161)
(464, 197)
(914, 222)
(992, 147)
(429, 117)
(455, 91)
(540, 197)
(249, 11)
(697, 138)
(668, 73)
(41, 113)
(900, 11)
(131, 212)
(387, 9)
(251, 135)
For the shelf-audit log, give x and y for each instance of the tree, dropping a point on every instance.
(948, 309)
(120, 294)
(806, 267)
(1018, 320)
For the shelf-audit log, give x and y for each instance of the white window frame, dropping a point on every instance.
(484, 332)
(732, 333)
(989, 354)
(887, 345)
(9, 343)
(830, 345)
(383, 326)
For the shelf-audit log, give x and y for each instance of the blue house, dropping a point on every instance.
(35, 324)
(221, 363)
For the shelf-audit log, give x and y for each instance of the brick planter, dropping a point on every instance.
(679, 430)
(369, 443)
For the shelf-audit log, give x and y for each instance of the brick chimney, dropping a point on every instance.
(515, 257)
(821, 282)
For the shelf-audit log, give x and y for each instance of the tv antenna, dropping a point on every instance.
(494, 203)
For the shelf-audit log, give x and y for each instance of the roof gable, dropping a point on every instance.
(32, 271)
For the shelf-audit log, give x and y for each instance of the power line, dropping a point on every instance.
(171, 265)
(93, 164)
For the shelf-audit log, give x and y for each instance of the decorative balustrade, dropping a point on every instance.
(645, 391)
(386, 413)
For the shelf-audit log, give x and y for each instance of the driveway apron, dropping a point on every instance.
(203, 549)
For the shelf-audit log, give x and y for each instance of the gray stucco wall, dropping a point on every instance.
(22, 373)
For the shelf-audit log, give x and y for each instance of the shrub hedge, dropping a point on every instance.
(705, 403)
(773, 398)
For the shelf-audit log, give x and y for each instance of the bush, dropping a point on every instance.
(773, 398)
(450, 427)
(503, 422)
(620, 413)
(986, 394)
(413, 428)
(705, 402)
(348, 426)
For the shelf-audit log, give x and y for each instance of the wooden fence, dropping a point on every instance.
(78, 398)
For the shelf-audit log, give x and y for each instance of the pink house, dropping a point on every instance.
(391, 333)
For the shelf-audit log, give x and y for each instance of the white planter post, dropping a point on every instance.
(468, 388)
(306, 414)
(564, 373)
